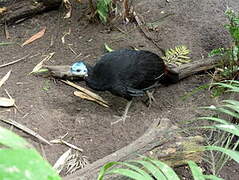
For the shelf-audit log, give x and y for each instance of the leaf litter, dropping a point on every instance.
(87, 94)
(40, 64)
(71, 160)
(35, 37)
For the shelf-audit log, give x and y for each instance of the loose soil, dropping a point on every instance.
(50, 108)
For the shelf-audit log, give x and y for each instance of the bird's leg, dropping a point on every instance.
(150, 97)
(124, 116)
(150, 94)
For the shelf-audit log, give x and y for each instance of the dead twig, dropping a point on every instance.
(143, 29)
(25, 129)
(61, 141)
(13, 62)
(5, 78)
(10, 97)
(7, 35)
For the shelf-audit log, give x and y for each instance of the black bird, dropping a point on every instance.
(126, 73)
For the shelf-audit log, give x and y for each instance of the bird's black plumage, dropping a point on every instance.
(127, 73)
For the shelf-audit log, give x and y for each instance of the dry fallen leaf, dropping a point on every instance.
(65, 34)
(35, 37)
(7, 35)
(40, 64)
(86, 91)
(68, 6)
(3, 9)
(6, 102)
(76, 161)
(85, 96)
(61, 162)
(3, 80)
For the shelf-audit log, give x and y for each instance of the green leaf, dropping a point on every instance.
(235, 50)
(108, 48)
(232, 102)
(103, 9)
(155, 171)
(232, 154)
(215, 52)
(222, 110)
(126, 172)
(196, 171)
(46, 85)
(177, 55)
(231, 128)
(137, 169)
(104, 169)
(11, 140)
(6, 43)
(214, 119)
(234, 31)
(232, 107)
(226, 111)
(212, 177)
(25, 164)
(167, 171)
(232, 87)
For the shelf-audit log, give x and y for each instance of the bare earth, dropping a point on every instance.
(50, 108)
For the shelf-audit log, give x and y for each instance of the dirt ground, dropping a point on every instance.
(50, 108)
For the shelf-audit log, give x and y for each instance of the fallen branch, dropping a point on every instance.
(195, 67)
(160, 142)
(25, 129)
(185, 70)
(18, 11)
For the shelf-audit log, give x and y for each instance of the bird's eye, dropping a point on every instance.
(84, 70)
(78, 70)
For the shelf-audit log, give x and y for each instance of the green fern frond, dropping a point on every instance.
(177, 56)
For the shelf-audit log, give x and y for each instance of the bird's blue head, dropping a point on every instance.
(79, 69)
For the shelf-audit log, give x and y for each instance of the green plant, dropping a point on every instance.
(224, 134)
(150, 169)
(46, 84)
(19, 160)
(177, 56)
(103, 9)
(217, 152)
(229, 66)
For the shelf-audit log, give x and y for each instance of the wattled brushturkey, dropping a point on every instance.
(126, 73)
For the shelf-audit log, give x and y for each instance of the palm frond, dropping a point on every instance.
(177, 56)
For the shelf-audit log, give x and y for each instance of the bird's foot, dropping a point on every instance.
(124, 116)
(119, 119)
(150, 98)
